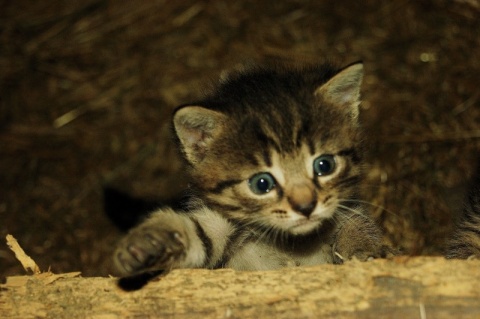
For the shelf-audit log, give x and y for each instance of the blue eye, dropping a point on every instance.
(324, 165)
(261, 183)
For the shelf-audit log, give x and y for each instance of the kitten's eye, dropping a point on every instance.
(324, 165)
(261, 183)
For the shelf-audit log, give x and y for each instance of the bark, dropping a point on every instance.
(421, 287)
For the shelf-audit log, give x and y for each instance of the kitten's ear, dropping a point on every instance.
(343, 89)
(196, 127)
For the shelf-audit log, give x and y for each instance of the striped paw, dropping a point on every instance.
(148, 249)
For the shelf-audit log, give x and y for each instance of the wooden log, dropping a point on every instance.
(421, 287)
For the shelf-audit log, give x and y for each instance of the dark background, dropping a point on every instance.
(87, 88)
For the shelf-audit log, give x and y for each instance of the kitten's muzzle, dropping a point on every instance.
(303, 199)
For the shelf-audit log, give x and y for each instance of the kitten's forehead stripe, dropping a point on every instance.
(252, 159)
(311, 146)
(268, 140)
(266, 154)
(305, 124)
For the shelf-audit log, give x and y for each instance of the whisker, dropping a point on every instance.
(336, 218)
(343, 217)
(369, 203)
(262, 229)
(264, 234)
(354, 211)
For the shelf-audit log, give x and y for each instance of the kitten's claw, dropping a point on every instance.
(141, 251)
(473, 257)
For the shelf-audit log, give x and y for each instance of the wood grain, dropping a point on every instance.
(420, 287)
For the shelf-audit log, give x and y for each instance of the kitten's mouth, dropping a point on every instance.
(305, 225)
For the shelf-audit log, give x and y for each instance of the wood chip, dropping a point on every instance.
(28, 263)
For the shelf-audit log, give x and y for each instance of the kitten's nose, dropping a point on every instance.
(303, 199)
(305, 209)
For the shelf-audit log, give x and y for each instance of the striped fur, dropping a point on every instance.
(465, 241)
(275, 122)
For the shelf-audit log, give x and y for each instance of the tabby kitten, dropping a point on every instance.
(275, 158)
(465, 242)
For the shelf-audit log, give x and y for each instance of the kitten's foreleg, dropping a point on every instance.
(361, 238)
(168, 240)
(164, 241)
(466, 240)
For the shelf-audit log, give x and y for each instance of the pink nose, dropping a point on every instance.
(303, 199)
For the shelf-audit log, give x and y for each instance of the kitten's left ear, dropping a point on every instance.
(343, 89)
(196, 128)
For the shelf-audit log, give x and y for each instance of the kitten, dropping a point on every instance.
(465, 242)
(275, 157)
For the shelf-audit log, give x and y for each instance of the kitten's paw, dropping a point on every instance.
(463, 252)
(368, 252)
(146, 249)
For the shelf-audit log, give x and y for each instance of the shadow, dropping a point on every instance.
(138, 281)
(127, 211)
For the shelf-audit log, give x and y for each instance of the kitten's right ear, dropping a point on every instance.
(196, 128)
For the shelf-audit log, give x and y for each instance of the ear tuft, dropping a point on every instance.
(196, 128)
(343, 89)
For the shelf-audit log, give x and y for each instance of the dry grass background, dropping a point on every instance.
(87, 87)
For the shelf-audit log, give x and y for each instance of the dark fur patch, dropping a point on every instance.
(221, 186)
(222, 207)
(206, 241)
(230, 248)
(352, 154)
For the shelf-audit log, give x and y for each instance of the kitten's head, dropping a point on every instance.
(277, 148)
